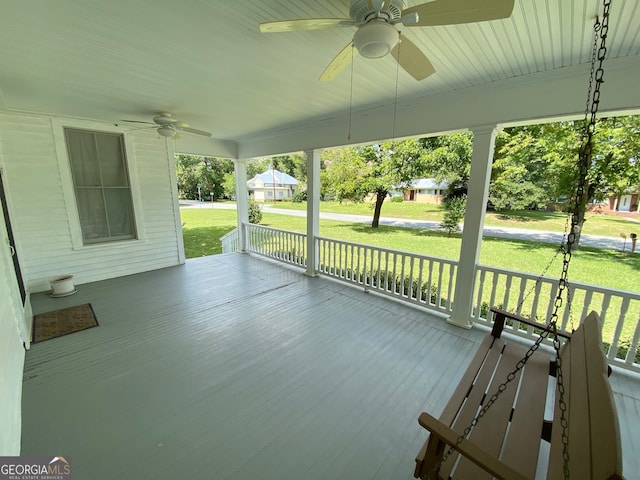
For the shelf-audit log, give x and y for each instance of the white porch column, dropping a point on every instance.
(242, 202)
(313, 209)
(477, 195)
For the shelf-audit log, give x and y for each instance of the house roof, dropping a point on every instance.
(428, 183)
(259, 93)
(272, 176)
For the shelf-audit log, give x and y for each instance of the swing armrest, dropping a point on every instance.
(500, 316)
(469, 449)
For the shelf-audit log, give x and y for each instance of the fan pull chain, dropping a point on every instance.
(395, 100)
(350, 97)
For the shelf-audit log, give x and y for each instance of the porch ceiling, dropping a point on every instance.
(207, 63)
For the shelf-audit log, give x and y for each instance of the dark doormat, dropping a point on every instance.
(63, 322)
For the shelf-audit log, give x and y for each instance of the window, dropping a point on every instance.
(101, 185)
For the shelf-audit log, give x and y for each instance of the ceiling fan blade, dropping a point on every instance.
(137, 121)
(452, 12)
(339, 63)
(409, 56)
(305, 24)
(195, 131)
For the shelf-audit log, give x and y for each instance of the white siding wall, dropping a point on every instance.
(44, 215)
(11, 352)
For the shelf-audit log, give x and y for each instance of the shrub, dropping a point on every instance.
(255, 214)
(299, 197)
(397, 199)
(455, 212)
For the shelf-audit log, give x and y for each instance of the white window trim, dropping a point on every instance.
(64, 165)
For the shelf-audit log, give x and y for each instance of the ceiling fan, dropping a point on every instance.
(377, 35)
(168, 126)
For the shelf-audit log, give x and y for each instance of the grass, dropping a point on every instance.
(596, 224)
(607, 268)
(203, 229)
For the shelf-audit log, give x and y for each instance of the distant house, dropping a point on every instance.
(271, 185)
(625, 203)
(424, 190)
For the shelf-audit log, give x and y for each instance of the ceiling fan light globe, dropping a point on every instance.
(375, 39)
(166, 131)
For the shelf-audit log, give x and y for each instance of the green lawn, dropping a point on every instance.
(204, 227)
(600, 267)
(596, 224)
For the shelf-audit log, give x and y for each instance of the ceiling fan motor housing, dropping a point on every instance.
(362, 11)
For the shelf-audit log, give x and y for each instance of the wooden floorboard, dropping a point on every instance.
(234, 367)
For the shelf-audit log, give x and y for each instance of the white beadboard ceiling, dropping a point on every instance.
(207, 62)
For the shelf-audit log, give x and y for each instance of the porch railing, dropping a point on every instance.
(533, 297)
(230, 241)
(430, 281)
(283, 245)
(426, 281)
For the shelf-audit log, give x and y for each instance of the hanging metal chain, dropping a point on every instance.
(584, 161)
(585, 141)
(579, 204)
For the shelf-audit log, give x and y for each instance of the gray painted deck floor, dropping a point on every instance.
(236, 367)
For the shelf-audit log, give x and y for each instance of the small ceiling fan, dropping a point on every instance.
(168, 126)
(377, 35)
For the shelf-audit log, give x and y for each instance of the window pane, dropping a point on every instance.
(119, 210)
(84, 158)
(93, 218)
(112, 166)
(100, 176)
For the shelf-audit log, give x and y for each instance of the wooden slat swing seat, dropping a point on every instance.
(509, 442)
(520, 412)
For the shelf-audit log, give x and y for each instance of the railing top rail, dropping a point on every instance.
(263, 227)
(390, 250)
(229, 234)
(554, 281)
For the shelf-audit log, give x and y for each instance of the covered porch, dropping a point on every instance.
(279, 374)
(235, 366)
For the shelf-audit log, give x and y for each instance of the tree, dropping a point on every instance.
(520, 178)
(534, 162)
(448, 157)
(357, 172)
(257, 166)
(229, 185)
(550, 155)
(294, 165)
(616, 168)
(207, 172)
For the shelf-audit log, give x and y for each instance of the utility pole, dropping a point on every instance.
(273, 176)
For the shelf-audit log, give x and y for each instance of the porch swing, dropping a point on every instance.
(509, 434)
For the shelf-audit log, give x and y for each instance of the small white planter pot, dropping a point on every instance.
(62, 286)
